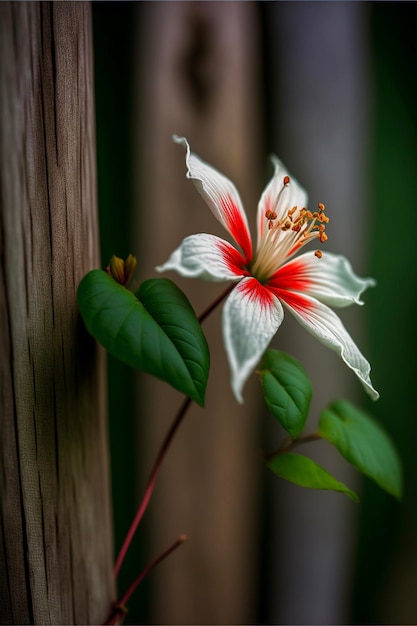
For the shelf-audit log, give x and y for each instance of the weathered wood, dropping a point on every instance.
(198, 77)
(56, 549)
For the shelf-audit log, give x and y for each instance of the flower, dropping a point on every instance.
(268, 277)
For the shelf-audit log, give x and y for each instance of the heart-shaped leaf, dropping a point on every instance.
(287, 390)
(363, 443)
(302, 471)
(155, 330)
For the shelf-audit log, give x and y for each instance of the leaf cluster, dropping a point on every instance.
(356, 435)
(156, 330)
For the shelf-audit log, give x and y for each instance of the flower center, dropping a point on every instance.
(285, 231)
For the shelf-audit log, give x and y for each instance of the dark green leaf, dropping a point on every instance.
(302, 471)
(363, 443)
(155, 330)
(287, 390)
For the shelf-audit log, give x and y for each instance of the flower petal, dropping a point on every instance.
(251, 317)
(330, 279)
(291, 195)
(208, 257)
(221, 196)
(325, 325)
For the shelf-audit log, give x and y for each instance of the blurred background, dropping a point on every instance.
(330, 88)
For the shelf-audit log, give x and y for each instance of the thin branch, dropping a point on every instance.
(151, 483)
(162, 452)
(216, 303)
(292, 443)
(119, 608)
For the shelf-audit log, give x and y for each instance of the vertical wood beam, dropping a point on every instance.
(198, 76)
(55, 541)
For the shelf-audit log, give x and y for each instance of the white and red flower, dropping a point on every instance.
(268, 276)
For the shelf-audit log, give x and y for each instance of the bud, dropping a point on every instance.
(130, 265)
(121, 271)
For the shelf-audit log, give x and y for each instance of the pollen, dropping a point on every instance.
(283, 236)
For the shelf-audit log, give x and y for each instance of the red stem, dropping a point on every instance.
(214, 304)
(162, 452)
(120, 607)
(151, 484)
(291, 443)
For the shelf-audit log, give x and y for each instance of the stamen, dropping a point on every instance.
(283, 237)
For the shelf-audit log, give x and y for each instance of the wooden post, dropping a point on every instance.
(198, 76)
(55, 541)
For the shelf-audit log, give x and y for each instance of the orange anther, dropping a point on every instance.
(321, 206)
(318, 254)
(270, 215)
(286, 180)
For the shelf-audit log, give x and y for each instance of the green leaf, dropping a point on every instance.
(363, 443)
(287, 390)
(155, 330)
(302, 471)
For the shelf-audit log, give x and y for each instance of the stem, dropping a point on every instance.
(151, 483)
(291, 443)
(162, 452)
(119, 608)
(217, 301)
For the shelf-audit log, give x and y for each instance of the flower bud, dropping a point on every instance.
(121, 271)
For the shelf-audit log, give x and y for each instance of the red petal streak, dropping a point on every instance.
(233, 259)
(291, 276)
(237, 226)
(294, 300)
(253, 290)
(289, 279)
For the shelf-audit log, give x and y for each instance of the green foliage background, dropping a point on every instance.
(388, 532)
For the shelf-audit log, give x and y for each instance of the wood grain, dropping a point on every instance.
(56, 552)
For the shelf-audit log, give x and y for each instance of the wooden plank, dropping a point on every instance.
(197, 76)
(55, 509)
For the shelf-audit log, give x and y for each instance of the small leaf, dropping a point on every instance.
(302, 471)
(155, 330)
(364, 443)
(287, 390)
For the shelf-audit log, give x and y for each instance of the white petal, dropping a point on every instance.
(325, 325)
(251, 317)
(292, 195)
(330, 279)
(221, 196)
(205, 256)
